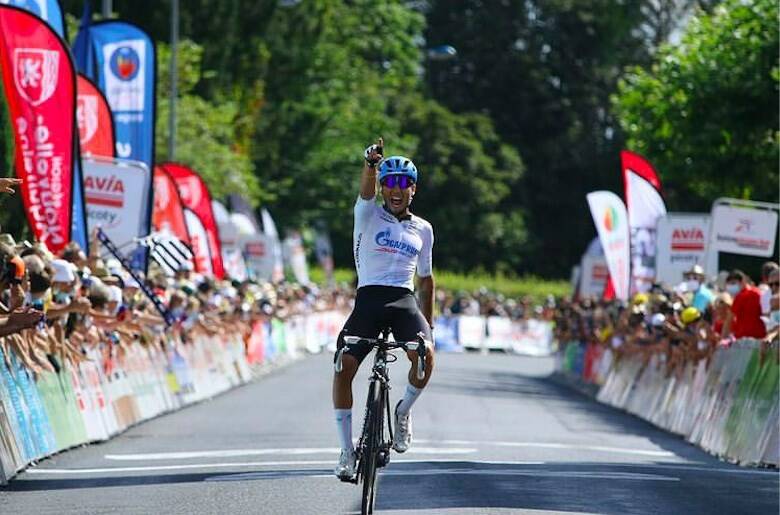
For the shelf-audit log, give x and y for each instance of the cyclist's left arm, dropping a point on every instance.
(426, 284)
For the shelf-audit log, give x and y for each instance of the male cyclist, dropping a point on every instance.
(390, 244)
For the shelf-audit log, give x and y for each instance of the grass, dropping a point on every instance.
(533, 287)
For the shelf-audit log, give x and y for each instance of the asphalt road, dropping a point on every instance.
(493, 434)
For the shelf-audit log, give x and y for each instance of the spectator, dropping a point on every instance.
(695, 284)
(746, 309)
(767, 269)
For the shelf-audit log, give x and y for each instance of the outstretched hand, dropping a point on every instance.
(374, 153)
(7, 184)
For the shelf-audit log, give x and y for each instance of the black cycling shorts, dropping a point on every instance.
(379, 307)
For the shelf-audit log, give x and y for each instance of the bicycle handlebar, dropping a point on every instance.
(419, 345)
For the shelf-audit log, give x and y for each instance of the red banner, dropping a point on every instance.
(196, 197)
(40, 86)
(168, 211)
(96, 126)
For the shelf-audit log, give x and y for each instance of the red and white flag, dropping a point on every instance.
(40, 87)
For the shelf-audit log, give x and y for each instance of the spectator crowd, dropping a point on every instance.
(681, 323)
(58, 308)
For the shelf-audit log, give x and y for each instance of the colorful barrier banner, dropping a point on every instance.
(728, 405)
(611, 220)
(120, 58)
(95, 121)
(40, 86)
(116, 196)
(49, 11)
(195, 197)
(645, 205)
(97, 399)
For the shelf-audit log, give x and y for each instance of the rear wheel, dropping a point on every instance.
(373, 441)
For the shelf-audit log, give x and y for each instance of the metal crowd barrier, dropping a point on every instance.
(727, 405)
(97, 400)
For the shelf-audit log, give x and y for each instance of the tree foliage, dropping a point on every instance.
(705, 112)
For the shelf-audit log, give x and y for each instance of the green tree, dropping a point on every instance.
(467, 174)
(207, 136)
(705, 113)
(544, 71)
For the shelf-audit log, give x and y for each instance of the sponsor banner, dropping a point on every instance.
(199, 242)
(269, 228)
(40, 87)
(259, 257)
(115, 192)
(295, 256)
(593, 275)
(229, 235)
(593, 272)
(95, 122)
(682, 243)
(611, 220)
(238, 204)
(195, 196)
(743, 230)
(645, 205)
(168, 211)
(47, 10)
(120, 58)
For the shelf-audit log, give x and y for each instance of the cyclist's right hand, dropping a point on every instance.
(373, 153)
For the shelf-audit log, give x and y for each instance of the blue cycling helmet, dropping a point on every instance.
(397, 165)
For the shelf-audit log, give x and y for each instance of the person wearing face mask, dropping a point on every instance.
(694, 282)
(745, 309)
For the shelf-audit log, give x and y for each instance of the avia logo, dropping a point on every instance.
(610, 219)
(125, 63)
(35, 73)
(745, 225)
(691, 239)
(87, 117)
(387, 244)
(104, 191)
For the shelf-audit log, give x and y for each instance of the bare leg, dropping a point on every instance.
(342, 382)
(413, 358)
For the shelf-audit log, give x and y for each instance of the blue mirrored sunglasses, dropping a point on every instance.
(402, 181)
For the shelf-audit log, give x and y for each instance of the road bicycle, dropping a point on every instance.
(373, 448)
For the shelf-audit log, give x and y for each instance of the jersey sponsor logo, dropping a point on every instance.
(387, 244)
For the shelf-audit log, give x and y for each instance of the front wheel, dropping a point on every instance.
(372, 444)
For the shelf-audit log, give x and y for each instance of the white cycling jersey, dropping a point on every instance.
(388, 251)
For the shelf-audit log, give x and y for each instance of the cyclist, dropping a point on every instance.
(390, 244)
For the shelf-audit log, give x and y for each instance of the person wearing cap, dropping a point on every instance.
(703, 297)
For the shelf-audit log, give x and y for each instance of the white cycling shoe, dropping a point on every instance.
(402, 438)
(345, 470)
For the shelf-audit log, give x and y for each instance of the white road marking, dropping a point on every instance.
(553, 445)
(530, 472)
(152, 468)
(465, 472)
(232, 453)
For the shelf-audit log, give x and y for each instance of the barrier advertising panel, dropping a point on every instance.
(743, 230)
